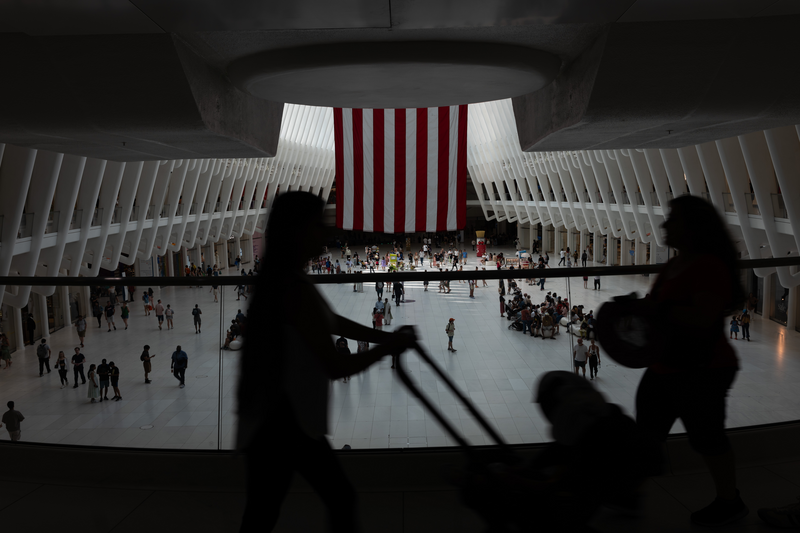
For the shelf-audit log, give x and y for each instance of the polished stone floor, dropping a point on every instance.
(495, 367)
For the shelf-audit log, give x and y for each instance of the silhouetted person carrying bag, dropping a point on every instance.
(286, 369)
(695, 365)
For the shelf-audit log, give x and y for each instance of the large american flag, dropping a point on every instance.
(401, 170)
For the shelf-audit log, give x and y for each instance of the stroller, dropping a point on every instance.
(512, 497)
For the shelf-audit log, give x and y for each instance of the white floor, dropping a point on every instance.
(496, 367)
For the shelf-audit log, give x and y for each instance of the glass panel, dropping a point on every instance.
(727, 202)
(778, 206)
(77, 219)
(164, 211)
(193, 209)
(706, 196)
(116, 217)
(654, 198)
(134, 214)
(52, 222)
(611, 198)
(25, 226)
(599, 197)
(97, 218)
(150, 212)
(752, 204)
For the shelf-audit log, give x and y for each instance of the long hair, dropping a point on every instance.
(711, 238)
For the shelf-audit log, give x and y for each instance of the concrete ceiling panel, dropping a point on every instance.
(395, 74)
(74, 17)
(241, 15)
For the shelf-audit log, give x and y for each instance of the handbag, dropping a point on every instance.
(150, 307)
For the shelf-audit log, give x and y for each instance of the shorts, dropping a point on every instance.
(450, 337)
(160, 318)
(103, 383)
(197, 320)
(114, 382)
(579, 364)
(147, 366)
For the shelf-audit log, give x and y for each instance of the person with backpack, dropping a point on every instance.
(180, 362)
(450, 329)
(43, 353)
(196, 312)
(169, 313)
(745, 321)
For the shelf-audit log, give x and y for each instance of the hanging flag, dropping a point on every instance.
(401, 170)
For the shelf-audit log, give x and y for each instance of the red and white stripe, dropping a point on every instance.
(401, 170)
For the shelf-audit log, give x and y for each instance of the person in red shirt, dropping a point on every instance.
(696, 365)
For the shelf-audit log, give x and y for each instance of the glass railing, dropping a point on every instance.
(179, 210)
(134, 214)
(495, 366)
(752, 204)
(77, 219)
(151, 210)
(25, 226)
(97, 217)
(625, 200)
(164, 211)
(193, 209)
(654, 199)
(52, 222)
(778, 206)
(727, 203)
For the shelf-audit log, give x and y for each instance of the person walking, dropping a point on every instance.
(563, 257)
(43, 353)
(597, 283)
(584, 258)
(471, 288)
(146, 300)
(103, 371)
(693, 294)
(295, 406)
(180, 362)
(12, 420)
(594, 359)
(80, 325)
(110, 310)
(125, 313)
(215, 289)
(114, 377)
(196, 312)
(160, 313)
(62, 365)
(450, 330)
(145, 358)
(579, 354)
(387, 311)
(94, 391)
(77, 367)
(169, 313)
(379, 289)
(399, 292)
(745, 325)
(734, 328)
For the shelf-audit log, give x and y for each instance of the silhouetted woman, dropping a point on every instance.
(690, 380)
(283, 418)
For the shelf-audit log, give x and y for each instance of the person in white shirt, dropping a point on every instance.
(563, 257)
(579, 356)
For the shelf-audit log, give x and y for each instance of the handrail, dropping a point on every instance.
(326, 279)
